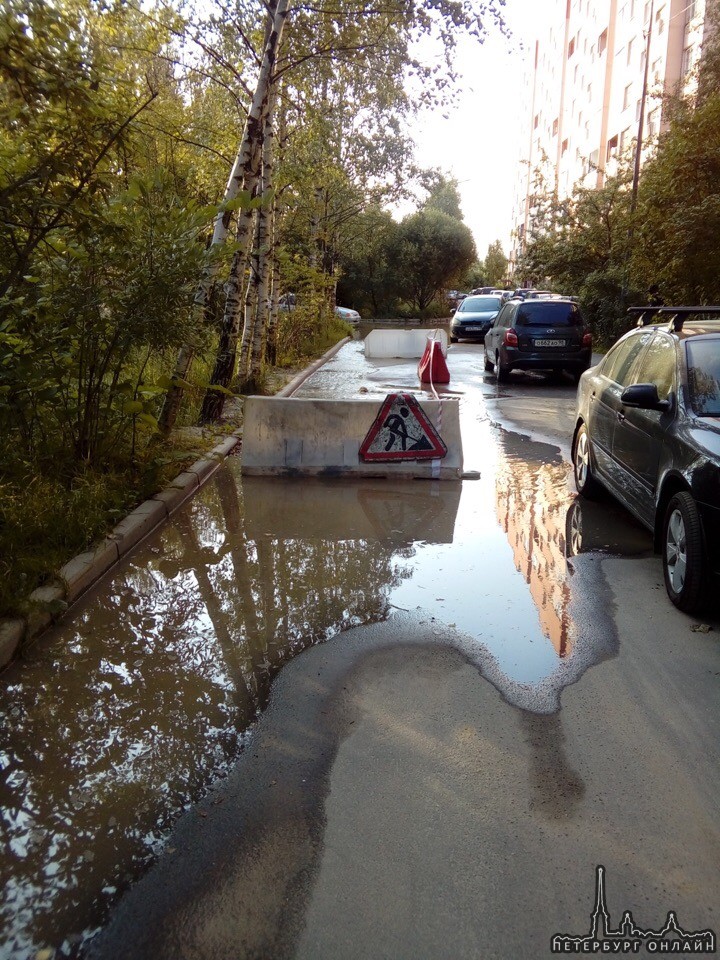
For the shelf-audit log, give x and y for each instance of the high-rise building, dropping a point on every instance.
(586, 77)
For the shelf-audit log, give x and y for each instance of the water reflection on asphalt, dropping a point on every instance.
(121, 718)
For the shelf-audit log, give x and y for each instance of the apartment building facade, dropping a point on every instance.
(596, 80)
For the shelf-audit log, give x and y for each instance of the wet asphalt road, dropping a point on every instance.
(504, 700)
(410, 794)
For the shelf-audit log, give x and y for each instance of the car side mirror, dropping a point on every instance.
(644, 396)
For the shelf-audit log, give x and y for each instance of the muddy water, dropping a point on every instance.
(120, 719)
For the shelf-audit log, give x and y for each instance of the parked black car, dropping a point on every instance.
(538, 335)
(473, 318)
(648, 429)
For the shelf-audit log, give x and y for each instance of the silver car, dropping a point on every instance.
(474, 317)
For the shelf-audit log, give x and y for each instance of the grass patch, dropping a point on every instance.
(47, 518)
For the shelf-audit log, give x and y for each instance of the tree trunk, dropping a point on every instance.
(261, 261)
(224, 368)
(277, 14)
(271, 349)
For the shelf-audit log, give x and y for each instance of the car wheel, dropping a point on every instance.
(502, 370)
(488, 363)
(683, 553)
(453, 339)
(585, 480)
(574, 530)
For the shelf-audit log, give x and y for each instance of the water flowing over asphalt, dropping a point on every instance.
(122, 716)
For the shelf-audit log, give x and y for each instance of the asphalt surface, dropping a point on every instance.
(401, 797)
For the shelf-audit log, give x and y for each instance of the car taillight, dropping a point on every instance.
(510, 339)
(587, 340)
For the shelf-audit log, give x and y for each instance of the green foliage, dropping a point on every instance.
(677, 240)
(495, 266)
(444, 194)
(368, 282)
(432, 250)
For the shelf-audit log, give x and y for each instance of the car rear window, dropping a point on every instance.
(548, 313)
(476, 304)
(704, 376)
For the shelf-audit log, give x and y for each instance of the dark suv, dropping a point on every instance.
(538, 335)
(648, 429)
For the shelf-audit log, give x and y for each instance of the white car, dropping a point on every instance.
(346, 313)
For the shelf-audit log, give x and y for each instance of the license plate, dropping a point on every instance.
(548, 343)
(473, 329)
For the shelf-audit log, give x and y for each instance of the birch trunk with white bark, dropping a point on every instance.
(278, 11)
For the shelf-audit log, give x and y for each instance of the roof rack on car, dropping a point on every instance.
(677, 315)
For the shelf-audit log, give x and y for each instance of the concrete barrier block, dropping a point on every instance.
(82, 571)
(46, 604)
(287, 437)
(137, 525)
(11, 636)
(402, 344)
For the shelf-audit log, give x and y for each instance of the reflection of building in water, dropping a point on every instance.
(532, 504)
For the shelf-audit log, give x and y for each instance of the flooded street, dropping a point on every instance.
(127, 713)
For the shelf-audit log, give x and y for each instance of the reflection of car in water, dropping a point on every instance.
(601, 528)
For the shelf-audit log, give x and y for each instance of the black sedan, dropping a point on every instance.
(648, 430)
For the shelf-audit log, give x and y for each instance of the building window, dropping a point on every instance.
(536, 121)
(602, 42)
(555, 127)
(653, 122)
(656, 71)
(630, 51)
(687, 61)
(660, 20)
(594, 157)
(571, 48)
(646, 12)
(626, 97)
(612, 146)
(638, 109)
(625, 138)
(690, 10)
(564, 147)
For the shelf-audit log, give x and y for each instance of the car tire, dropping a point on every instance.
(683, 553)
(574, 530)
(488, 364)
(587, 485)
(453, 339)
(502, 370)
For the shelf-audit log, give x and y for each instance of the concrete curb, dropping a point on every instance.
(289, 389)
(49, 602)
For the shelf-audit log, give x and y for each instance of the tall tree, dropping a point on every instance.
(433, 250)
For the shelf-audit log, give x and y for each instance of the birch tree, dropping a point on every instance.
(243, 177)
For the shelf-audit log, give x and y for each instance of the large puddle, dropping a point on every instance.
(121, 718)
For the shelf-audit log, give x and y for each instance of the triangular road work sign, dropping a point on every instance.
(401, 431)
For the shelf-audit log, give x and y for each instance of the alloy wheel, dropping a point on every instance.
(676, 551)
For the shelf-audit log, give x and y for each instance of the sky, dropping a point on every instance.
(479, 143)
